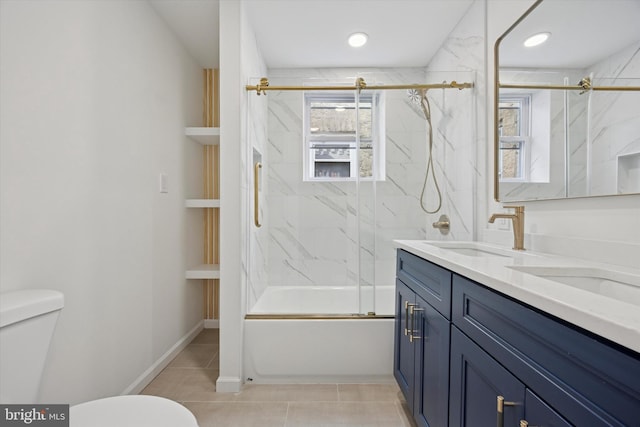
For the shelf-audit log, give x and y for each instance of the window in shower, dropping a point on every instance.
(343, 136)
(514, 132)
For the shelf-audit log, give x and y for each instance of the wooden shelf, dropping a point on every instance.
(203, 135)
(202, 203)
(204, 271)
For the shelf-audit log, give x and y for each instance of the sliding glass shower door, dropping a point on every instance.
(312, 250)
(345, 172)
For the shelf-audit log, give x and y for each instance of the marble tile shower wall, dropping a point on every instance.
(311, 232)
(615, 120)
(462, 126)
(611, 119)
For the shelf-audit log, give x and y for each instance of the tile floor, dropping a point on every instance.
(190, 379)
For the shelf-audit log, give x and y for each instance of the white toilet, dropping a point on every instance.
(27, 321)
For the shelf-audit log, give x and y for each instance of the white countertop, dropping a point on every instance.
(614, 319)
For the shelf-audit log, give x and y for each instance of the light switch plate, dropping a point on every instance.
(164, 183)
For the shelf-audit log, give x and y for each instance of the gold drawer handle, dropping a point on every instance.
(501, 403)
(407, 306)
(412, 311)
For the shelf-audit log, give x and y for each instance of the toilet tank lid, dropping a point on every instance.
(16, 306)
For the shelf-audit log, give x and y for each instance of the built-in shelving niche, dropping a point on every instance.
(208, 136)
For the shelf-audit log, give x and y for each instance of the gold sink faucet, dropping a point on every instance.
(517, 218)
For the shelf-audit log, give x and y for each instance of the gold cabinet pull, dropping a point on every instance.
(501, 403)
(407, 311)
(406, 317)
(412, 310)
(524, 423)
(256, 210)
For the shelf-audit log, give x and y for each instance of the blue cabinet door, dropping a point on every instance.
(538, 413)
(404, 354)
(477, 382)
(431, 338)
(421, 357)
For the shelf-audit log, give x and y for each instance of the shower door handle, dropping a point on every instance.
(256, 210)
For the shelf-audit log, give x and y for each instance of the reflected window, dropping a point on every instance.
(514, 132)
(335, 126)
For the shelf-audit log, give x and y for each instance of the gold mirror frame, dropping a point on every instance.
(584, 84)
(496, 101)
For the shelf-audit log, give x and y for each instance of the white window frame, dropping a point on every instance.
(524, 139)
(345, 142)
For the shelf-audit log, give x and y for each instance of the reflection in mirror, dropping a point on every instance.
(568, 110)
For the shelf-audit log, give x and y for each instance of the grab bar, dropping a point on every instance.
(256, 220)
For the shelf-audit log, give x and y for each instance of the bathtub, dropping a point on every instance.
(291, 336)
(323, 300)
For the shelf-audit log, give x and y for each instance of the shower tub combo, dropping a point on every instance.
(336, 176)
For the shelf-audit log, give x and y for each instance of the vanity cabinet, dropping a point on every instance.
(484, 393)
(547, 371)
(422, 334)
(586, 380)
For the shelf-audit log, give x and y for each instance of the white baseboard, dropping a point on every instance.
(228, 385)
(147, 376)
(211, 324)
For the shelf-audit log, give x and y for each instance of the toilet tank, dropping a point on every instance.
(27, 320)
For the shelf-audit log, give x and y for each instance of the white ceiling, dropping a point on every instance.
(313, 33)
(582, 33)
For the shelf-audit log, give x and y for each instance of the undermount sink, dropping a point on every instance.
(474, 249)
(612, 284)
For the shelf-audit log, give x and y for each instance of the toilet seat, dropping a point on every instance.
(131, 411)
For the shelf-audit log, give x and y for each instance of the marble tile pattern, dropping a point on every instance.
(190, 379)
(332, 233)
(614, 120)
(601, 126)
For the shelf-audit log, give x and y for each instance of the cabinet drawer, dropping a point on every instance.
(582, 377)
(429, 281)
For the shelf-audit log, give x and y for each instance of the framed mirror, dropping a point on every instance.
(567, 110)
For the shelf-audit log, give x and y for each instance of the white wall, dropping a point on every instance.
(603, 229)
(240, 60)
(94, 99)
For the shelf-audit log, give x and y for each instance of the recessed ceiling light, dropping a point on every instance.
(358, 39)
(340, 109)
(537, 39)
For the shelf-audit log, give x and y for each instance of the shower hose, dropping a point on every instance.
(426, 108)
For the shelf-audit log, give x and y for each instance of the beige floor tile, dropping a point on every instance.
(191, 378)
(166, 384)
(239, 414)
(207, 336)
(199, 385)
(195, 356)
(288, 392)
(214, 363)
(369, 392)
(405, 414)
(344, 414)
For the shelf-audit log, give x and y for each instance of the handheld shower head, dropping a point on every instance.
(414, 96)
(419, 97)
